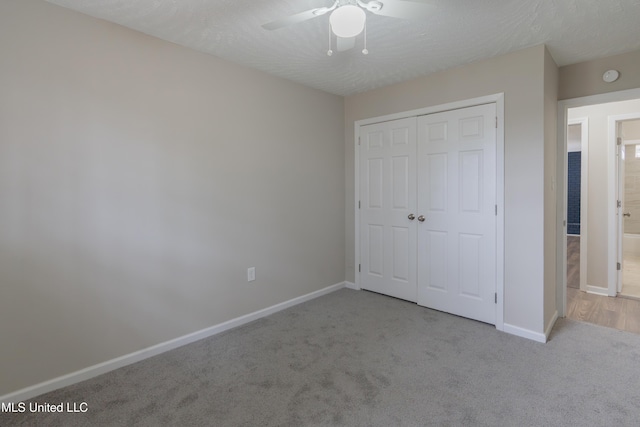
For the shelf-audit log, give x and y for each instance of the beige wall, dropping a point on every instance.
(598, 192)
(585, 78)
(139, 180)
(521, 76)
(550, 195)
(631, 130)
(632, 191)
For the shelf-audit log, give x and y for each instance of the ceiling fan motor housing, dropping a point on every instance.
(373, 6)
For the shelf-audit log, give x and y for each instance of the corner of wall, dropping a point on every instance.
(551, 79)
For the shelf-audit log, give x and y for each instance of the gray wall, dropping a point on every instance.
(631, 130)
(521, 76)
(139, 180)
(585, 78)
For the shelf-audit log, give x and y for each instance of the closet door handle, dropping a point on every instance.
(626, 214)
(421, 218)
(411, 217)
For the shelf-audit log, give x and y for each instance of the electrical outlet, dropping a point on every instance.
(251, 274)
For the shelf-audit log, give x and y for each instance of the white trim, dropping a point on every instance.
(563, 107)
(612, 217)
(631, 142)
(598, 290)
(561, 212)
(584, 202)
(488, 99)
(500, 218)
(623, 95)
(498, 99)
(547, 331)
(525, 333)
(119, 362)
(350, 285)
(356, 207)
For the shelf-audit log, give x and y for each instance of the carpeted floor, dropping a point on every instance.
(360, 359)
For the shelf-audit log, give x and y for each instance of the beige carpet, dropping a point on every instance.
(354, 358)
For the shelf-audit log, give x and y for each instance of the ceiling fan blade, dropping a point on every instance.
(295, 19)
(300, 17)
(343, 44)
(412, 9)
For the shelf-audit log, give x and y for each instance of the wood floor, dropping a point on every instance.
(573, 262)
(631, 276)
(619, 312)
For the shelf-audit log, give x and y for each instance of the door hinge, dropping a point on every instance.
(496, 210)
(496, 122)
(358, 140)
(619, 203)
(358, 204)
(564, 223)
(496, 297)
(359, 268)
(618, 266)
(619, 141)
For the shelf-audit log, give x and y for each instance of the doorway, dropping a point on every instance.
(601, 226)
(577, 202)
(628, 132)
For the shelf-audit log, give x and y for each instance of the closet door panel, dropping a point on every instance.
(387, 199)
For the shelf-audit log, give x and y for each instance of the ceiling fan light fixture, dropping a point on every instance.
(347, 21)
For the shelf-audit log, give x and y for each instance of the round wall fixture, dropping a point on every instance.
(610, 76)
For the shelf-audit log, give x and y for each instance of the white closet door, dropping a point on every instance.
(387, 200)
(457, 197)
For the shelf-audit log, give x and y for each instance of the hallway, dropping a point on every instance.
(621, 313)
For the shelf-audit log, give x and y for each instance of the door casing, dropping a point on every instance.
(498, 99)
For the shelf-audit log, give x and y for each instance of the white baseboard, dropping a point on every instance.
(547, 331)
(597, 290)
(351, 285)
(119, 362)
(524, 333)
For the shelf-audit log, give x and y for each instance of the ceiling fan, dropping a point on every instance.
(348, 18)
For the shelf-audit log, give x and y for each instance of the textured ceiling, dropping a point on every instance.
(458, 32)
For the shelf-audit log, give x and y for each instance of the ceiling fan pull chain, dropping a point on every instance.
(329, 52)
(365, 51)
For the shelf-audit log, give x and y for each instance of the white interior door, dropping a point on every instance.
(457, 199)
(620, 155)
(387, 202)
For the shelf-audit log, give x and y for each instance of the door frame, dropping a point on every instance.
(584, 197)
(616, 224)
(561, 217)
(498, 99)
